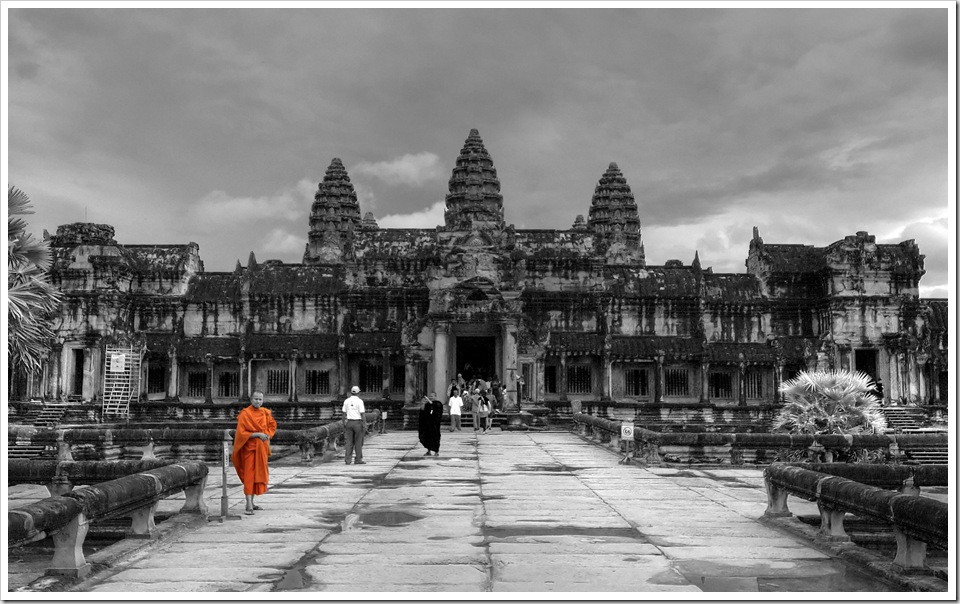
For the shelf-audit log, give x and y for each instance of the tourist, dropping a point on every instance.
(251, 449)
(455, 403)
(461, 383)
(354, 426)
(472, 404)
(484, 412)
(452, 387)
(496, 394)
(431, 414)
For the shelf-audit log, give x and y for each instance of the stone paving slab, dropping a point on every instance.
(468, 576)
(170, 586)
(253, 574)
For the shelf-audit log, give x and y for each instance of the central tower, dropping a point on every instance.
(474, 201)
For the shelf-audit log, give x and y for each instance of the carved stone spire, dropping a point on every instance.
(613, 217)
(369, 222)
(334, 216)
(474, 200)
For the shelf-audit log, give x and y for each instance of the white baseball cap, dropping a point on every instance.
(355, 390)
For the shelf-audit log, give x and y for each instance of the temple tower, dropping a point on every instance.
(614, 220)
(334, 217)
(474, 200)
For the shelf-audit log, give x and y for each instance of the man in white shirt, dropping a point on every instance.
(354, 427)
(456, 403)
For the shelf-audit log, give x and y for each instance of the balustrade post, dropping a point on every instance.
(68, 557)
(142, 524)
(776, 500)
(831, 524)
(195, 502)
(148, 451)
(911, 553)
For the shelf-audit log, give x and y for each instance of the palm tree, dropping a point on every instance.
(830, 402)
(32, 300)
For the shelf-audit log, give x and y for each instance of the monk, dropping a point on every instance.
(251, 448)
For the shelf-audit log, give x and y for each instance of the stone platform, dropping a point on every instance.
(496, 512)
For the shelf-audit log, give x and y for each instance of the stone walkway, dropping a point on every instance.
(498, 512)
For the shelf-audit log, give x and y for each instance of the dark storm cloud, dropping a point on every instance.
(719, 119)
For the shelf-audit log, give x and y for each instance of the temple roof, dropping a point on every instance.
(576, 343)
(474, 198)
(790, 258)
(648, 347)
(613, 208)
(335, 201)
(731, 287)
(376, 341)
(729, 352)
(278, 346)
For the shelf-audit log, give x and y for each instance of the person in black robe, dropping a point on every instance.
(428, 428)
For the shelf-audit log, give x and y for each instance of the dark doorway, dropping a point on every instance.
(476, 357)
(77, 383)
(866, 362)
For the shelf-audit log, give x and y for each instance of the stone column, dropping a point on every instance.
(343, 368)
(53, 377)
(173, 379)
(658, 378)
(56, 391)
(92, 361)
(292, 364)
(537, 393)
(742, 382)
(935, 386)
(510, 368)
(904, 369)
(244, 386)
(562, 378)
(705, 382)
(922, 386)
(777, 380)
(441, 337)
(387, 372)
(144, 378)
(606, 364)
(208, 391)
(410, 385)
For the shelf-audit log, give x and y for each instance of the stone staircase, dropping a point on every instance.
(47, 419)
(903, 419)
(929, 456)
(50, 416)
(909, 420)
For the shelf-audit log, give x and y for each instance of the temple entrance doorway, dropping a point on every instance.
(865, 360)
(476, 357)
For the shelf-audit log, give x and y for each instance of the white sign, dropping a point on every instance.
(118, 362)
(384, 415)
(626, 431)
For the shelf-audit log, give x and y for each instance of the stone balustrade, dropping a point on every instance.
(67, 517)
(202, 444)
(60, 476)
(916, 521)
(756, 448)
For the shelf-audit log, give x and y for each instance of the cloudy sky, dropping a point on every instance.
(215, 125)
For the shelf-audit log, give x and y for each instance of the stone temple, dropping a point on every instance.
(556, 315)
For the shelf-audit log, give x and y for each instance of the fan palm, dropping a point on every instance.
(31, 299)
(830, 402)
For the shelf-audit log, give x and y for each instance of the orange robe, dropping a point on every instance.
(250, 454)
